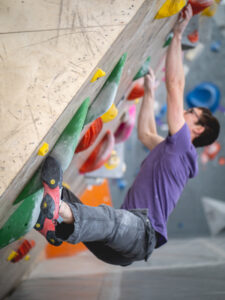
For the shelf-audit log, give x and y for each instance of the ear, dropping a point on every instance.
(198, 129)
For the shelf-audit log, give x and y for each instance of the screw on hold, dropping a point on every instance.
(52, 181)
(99, 73)
(43, 150)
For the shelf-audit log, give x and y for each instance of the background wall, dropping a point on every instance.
(188, 219)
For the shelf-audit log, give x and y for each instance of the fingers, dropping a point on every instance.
(188, 12)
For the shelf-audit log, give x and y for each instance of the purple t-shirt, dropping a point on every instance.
(161, 179)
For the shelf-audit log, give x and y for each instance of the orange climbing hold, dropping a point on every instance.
(193, 36)
(136, 92)
(200, 5)
(90, 135)
(100, 154)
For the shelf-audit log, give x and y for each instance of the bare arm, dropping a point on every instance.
(175, 80)
(147, 132)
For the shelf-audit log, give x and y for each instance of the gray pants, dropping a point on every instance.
(116, 236)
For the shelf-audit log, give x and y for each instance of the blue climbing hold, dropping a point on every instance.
(215, 46)
(206, 95)
(121, 183)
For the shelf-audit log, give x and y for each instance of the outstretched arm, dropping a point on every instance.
(147, 132)
(175, 80)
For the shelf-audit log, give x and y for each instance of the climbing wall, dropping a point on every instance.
(50, 52)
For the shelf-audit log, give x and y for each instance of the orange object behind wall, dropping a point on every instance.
(97, 195)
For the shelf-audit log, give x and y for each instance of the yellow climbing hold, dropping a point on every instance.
(99, 73)
(110, 114)
(53, 241)
(27, 257)
(43, 150)
(52, 181)
(210, 11)
(12, 255)
(66, 185)
(113, 161)
(45, 205)
(38, 225)
(170, 8)
(137, 101)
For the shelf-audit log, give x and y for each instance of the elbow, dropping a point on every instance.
(174, 85)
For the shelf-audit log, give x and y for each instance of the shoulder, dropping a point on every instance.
(181, 140)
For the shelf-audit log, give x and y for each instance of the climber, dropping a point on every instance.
(131, 233)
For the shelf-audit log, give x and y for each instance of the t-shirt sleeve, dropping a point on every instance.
(180, 141)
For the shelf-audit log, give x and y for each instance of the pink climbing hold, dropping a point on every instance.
(125, 128)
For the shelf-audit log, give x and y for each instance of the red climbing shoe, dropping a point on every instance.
(51, 176)
(47, 228)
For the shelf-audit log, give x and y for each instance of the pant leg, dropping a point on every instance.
(115, 236)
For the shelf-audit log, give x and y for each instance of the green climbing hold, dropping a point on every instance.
(168, 40)
(63, 150)
(143, 70)
(106, 96)
(22, 220)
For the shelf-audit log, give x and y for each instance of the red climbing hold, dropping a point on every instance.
(221, 161)
(23, 249)
(200, 5)
(193, 37)
(136, 92)
(100, 154)
(90, 135)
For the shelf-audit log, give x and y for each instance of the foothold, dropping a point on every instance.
(125, 128)
(161, 113)
(66, 185)
(99, 73)
(168, 39)
(194, 36)
(121, 183)
(210, 11)
(137, 101)
(221, 161)
(27, 257)
(90, 135)
(205, 94)
(22, 251)
(215, 46)
(113, 161)
(107, 94)
(12, 255)
(63, 151)
(110, 114)
(100, 154)
(200, 5)
(136, 92)
(170, 8)
(143, 70)
(37, 225)
(43, 150)
(212, 150)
